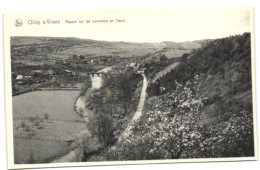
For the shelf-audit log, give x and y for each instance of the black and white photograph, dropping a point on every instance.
(130, 86)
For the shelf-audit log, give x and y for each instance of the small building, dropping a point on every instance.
(132, 64)
(19, 77)
(94, 61)
(27, 77)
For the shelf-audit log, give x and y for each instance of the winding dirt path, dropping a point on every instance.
(165, 71)
(138, 112)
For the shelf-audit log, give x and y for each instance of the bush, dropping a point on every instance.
(101, 125)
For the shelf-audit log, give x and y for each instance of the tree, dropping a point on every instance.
(31, 119)
(23, 124)
(101, 125)
(163, 57)
(27, 129)
(85, 86)
(46, 116)
(36, 123)
(123, 83)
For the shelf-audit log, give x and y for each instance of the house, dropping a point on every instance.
(19, 77)
(132, 64)
(94, 61)
(27, 77)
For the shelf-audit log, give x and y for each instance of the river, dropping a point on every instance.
(96, 83)
(80, 108)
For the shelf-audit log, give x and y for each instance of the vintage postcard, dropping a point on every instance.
(130, 86)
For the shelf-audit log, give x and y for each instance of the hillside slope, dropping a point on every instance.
(201, 109)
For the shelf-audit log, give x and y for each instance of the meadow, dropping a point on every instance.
(44, 122)
(121, 49)
(171, 53)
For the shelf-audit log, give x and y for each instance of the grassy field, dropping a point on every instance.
(175, 53)
(42, 151)
(111, 49)
(58, 104)
(165, 71)
(47, 138)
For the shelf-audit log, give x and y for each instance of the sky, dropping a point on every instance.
(141, 25)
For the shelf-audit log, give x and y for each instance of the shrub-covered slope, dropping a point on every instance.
(224, 68)
(201, 109)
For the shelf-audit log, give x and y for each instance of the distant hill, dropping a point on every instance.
(63, 47)
(203, 42)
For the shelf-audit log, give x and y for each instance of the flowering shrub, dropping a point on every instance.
(232, 138)
(170, 130)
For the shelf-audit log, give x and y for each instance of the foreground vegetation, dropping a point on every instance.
(171, 130)
(201, 109)
(113, 103)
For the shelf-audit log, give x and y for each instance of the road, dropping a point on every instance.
(165, 71)
(138, 112)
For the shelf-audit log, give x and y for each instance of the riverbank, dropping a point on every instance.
(81, 110)
(85, 114)
(80, 106)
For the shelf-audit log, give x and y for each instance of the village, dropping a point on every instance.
(65, 73)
